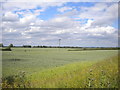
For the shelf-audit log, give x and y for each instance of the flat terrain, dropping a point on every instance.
(0, 64)
(36, 61)
(33, 60)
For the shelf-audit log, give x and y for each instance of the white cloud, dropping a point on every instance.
(30, 29)
(63, 9)
(27, 19)
(60, 19)
(63, 1)
(16, 5)
(88, 24)
(101, 30)
(9, 16)
(101, 13)
(10, 30)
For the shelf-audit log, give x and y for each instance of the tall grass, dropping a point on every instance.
(102, 74)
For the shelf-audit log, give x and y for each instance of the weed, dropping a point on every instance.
(16, 81)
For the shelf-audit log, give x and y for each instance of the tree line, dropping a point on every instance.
(83, 48)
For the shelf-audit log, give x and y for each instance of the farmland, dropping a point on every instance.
(60, 67)
(0, 68)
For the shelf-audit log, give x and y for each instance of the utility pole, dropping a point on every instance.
(59, 42)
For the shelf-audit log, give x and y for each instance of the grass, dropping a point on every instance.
(58, 67)
(79, 75)
(32, 60)
(0, 64)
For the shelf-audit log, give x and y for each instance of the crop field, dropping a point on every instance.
(0, 64)
(59, 68)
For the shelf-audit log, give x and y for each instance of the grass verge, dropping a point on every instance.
(103, 74)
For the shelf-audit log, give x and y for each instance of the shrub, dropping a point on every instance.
(16, 81)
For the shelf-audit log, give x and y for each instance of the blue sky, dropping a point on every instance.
(76, 23)
(51, 12)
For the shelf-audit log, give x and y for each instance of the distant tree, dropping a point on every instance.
(7, 48)
(27, 46)
(11, 45)
(1, 44)
(44, 46)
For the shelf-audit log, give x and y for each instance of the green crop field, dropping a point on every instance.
(0, 64)
(59, 68)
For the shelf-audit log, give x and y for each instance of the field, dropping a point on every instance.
(0, 64)
(59, 68)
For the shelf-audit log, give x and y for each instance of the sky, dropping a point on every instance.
(84, 24)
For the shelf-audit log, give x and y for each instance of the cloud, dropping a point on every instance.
(78, 26)
(101, 13)
(17, 5)
(63, 9)
(62, 0)
(9, 16)
(101, 31)
(27, 19)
